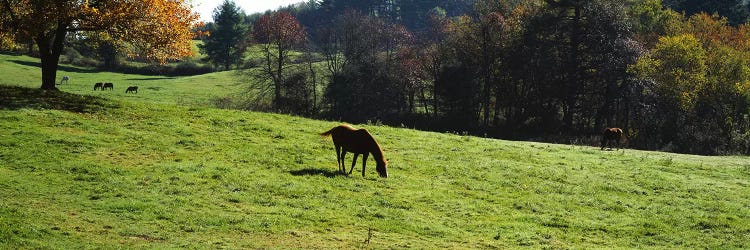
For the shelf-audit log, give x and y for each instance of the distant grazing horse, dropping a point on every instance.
(611, 134)
(98, 85)
(64, 79)
(108, 85)
(132, 89)
(358, 141)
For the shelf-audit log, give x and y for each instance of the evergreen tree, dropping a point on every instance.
(226, 44)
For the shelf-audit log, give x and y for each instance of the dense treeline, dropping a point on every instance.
(558, 70)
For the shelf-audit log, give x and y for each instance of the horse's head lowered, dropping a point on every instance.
(381, 168)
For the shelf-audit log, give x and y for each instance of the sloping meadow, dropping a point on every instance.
(84, 171)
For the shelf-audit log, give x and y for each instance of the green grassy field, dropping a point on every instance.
(96, 169)
(185, 91)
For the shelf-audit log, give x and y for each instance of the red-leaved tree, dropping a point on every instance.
(278, 33)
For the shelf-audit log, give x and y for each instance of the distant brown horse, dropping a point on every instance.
(358, 141)
(611, 134)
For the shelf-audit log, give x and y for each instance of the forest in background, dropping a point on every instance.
(674, 74)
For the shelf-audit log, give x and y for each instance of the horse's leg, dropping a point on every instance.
(343, 163)
(364, 162)
(604, 141)
(354, 162)
(339, 161)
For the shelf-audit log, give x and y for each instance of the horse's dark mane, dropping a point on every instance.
(378, 152)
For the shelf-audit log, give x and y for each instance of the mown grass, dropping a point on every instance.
(99, 171)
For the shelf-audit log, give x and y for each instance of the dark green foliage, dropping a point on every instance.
(185, 68)
(457, 94)
(226, 44)
(367, 86)
(297, 94)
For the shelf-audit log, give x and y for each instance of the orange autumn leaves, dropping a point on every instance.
(280, 28)
(158, 30)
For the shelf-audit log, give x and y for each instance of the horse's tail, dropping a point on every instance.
(328, 133)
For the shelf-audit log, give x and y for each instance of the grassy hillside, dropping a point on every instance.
(113, 170)
(198, 90)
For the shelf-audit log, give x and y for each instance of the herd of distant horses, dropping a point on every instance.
(103, 85)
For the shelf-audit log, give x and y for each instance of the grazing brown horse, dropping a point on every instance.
(358, 141)
(611, 134)
(99, 85)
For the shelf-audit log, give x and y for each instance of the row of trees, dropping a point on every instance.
(521, 69)
(551, 70)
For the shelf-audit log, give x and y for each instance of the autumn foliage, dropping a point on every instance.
(278, 34)
(281, 29)
(158, 30)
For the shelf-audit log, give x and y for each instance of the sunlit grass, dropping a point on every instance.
(200, 90)
(99, 169)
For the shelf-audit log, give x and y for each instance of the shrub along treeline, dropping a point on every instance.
(557, 70)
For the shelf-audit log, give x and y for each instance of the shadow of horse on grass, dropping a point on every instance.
(316, 172)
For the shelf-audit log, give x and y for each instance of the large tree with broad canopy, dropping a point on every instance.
(158, 30)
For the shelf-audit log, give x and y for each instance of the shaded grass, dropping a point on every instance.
(83, 171)
(15, 98)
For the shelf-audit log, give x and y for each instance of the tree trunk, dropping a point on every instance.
(435, 97)
(314, 83)
(279, 79)
(425, 101)
(574, 81)
(498, 109)
(50, 48)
